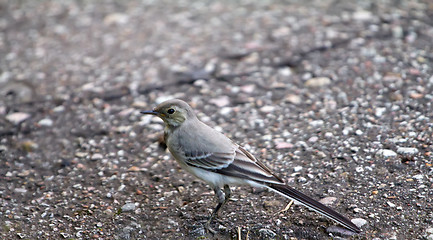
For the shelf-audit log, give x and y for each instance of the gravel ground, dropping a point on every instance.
(335, 96)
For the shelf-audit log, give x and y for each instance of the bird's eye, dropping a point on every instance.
(170, 111)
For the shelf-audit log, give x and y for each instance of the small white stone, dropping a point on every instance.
(297, 168)
(81, 154)
(121, 153)
(59, 109)
(407, 150)
(313, 139)
(128, 207)
(386, 153)
(354, 149)
(248, 88)
(18, 117)
(46, 122)
(97, 156)
(225, 110)
(116, 19)
(379, 111)
(221, 101)
(293, 98)
(20, 190)
(359, 222)
(347, 130)
(121, 188)
(318, 82)
(285, 71)
(362, 15)
(357, 210)
(328, 200)
(267, 109)
(390, 204)
(317, 123)
(418, 176)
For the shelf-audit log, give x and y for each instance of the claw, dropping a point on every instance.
(208, 228)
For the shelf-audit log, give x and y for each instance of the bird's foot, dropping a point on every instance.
(209, 229)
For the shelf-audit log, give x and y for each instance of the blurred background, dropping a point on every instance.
(335, 96)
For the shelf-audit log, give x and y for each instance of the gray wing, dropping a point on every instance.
(208, 160)
(238, 163)
(246, 166)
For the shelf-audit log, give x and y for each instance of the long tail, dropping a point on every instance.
(313, 204)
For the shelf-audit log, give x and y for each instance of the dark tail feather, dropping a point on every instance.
(314, 205)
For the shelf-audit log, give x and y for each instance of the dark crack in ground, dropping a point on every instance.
(335, 96)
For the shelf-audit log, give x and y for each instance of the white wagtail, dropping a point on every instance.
(215, 159)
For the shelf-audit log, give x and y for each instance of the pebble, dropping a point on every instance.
(340, 231)
(362, 15)
(317, 123)
(386, 153)
(283, 145)
(59, 109)
(249, 88)
(293, 98)
(129, 207)
(126, 112)
(221, 101)
(359, 222)
(116, 19)
(81, 154)
(407, 150)
(134, 169)
(267, 109)
(20, 190)
(97, 156)
(418, 176)
(354, 149)
(46, 122)
(64, 235)
(3, 148)
(328, 200)
(121, 153)
(225, 111)
(379, 111)
(266, 233)
(17, 117)
(297, 168)
(390, 204)
(318, 82)
(313, 139)
(21, 235)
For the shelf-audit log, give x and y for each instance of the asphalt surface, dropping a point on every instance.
(334, 96)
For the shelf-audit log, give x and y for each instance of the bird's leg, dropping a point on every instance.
(227, 192)
(222, 198)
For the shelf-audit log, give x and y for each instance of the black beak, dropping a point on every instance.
(149, 112)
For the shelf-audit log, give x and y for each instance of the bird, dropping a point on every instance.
(214, 158)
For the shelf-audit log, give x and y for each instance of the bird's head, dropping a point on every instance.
(173, 112)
